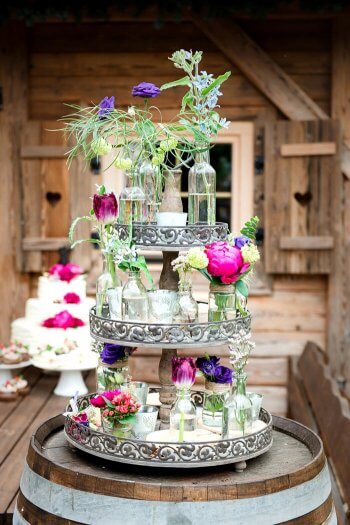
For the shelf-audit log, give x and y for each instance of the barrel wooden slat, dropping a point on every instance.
(295, 467)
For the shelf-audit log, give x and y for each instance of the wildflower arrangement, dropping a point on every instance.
(116, 406)
(240, 347)
(209, 366)
(194, 259)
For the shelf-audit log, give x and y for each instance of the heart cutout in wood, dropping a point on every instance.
(303, 198)
(53, 197)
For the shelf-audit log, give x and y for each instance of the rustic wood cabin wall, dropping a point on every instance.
(68, 63)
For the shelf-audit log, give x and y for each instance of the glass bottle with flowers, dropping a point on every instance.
(113, 369)
(118, 410)
(238, 408)
(195, 258)
(102, 216)
(134, 297)
(183, 416)
(218, 383)
(200, 119)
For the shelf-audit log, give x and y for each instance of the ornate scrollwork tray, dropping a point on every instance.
(172, 238)
(168, 454)
(183, 335)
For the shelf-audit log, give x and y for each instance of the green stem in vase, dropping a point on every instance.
(182, 420)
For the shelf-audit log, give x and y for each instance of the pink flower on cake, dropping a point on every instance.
(63, 320)
(71, 298)
(225, 262)
(65, 272)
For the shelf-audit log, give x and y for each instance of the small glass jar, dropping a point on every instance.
(224, 304)
(114, 297)
(108, 280)
(213, 403)
(202, 189)
(111, 377)
(134, 299)
(116, 428)
(238, 410)
(183, 414)
(151, 182)
(132, 202)
(188, 307)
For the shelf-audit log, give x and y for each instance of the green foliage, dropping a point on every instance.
(250, 227)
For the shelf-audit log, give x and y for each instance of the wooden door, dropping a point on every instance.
(302, 196)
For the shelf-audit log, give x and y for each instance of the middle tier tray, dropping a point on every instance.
(177, 335)
(172, 238)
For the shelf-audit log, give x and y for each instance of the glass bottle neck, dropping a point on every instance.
(202, 155)
(133, 275)
(183, 393)
(240, 383)
(109, 266)
(185, 284)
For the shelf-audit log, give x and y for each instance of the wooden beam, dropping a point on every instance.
(307, 243)
(260, 69)
(313, 148)
(339, 282)
(40, 244)
(43, 152)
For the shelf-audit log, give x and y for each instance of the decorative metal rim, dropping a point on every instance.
(177, 335)
(168, 454)
(172, 238)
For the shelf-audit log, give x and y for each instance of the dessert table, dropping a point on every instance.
(288, 484)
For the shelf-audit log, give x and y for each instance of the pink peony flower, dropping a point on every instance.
(183, 372)
(55, 269)
(99, 401)
(65, 272)
(225, 262)
(63, 320)
(71, 298)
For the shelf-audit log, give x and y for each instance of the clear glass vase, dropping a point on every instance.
(132, 201)
(183, 413)
(215, 395)
(202, 189)
(188, 307)
(111, 377)
(116, 428)
(108, 280)
(225, 303)
(134, 299)
(151, 182)
(238, 410)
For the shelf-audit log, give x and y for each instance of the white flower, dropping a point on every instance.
(131, 111)
(250, 253)
(100, 146)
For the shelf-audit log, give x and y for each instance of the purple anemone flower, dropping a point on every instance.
(112, 353)
(207, 364)
(241, 241)
(105, 207)
(106, 106)
(223, 375)
(145, 90)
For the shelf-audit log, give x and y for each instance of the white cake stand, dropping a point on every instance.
(5, 370)
(70, 380)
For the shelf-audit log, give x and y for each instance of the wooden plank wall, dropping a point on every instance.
(71, 62)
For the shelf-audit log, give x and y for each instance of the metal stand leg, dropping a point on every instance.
(240, 466)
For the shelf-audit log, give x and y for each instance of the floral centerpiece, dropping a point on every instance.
(218, 382)
(113, 369)
(118, 411)
(183, 412)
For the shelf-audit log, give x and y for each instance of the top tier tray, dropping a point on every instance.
(172, 238)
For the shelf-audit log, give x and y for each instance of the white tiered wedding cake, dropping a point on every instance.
(59, 314)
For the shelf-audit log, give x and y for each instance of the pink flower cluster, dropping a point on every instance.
(225, 262)
(115, 404)
(71, 298)
(63, 320)
(65, 272)
(82, 419)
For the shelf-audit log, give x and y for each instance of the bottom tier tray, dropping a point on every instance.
(169, 454)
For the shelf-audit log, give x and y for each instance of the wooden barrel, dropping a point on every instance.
(289, 484)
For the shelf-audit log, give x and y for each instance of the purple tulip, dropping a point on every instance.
(207, 364)
(223, 375)
(241, 241)
(145, 90)
(106, 106)
(183, 372)
(105, 207)
(112, 353)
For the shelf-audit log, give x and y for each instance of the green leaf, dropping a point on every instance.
(217, 82)
(242, 288)
(75, 223)
(250, 227)
(102, 190)
(184, 81)
(187, 101)
(93, 241)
